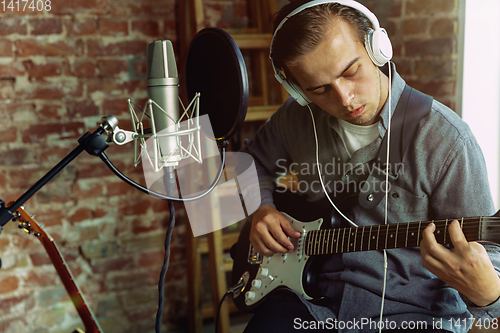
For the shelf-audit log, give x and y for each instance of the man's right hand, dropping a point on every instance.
(270, 231)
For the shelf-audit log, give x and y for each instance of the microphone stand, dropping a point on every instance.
(95, 144)
(92, 143)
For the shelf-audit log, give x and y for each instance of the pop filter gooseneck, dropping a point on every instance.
(215, 68)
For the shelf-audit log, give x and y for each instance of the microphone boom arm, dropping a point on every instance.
(95, 144)
(92, 143)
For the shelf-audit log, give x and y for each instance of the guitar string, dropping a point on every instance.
(318, 237)
(470, 223)
(414, 226)
(359, 247)
(471, 226)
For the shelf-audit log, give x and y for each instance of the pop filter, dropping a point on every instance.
(215, 68)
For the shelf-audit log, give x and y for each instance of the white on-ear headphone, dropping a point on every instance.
(377, 44)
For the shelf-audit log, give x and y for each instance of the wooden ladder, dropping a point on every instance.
(265, 98)
(254, 42)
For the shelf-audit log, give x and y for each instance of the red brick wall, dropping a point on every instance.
(425, 42)
(60, 70)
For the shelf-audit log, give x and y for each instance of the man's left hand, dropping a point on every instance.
(466, 268)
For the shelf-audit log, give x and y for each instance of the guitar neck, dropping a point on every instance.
(31, 226)
(88, 319)
(389, 236)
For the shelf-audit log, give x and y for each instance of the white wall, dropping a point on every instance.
(481, 82)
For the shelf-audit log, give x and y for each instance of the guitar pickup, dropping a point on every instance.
(299, 244)
(254, 258)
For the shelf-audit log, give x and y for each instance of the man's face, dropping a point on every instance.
(340, 77)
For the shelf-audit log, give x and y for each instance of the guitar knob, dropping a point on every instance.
(250, 295)
(257, 283)
(264, 271)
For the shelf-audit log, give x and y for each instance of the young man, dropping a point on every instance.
(321, 49)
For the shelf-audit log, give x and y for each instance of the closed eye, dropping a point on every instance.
(351, 72)
(320, 90)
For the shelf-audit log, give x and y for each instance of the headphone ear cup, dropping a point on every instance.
(379, 47)
(296, 92)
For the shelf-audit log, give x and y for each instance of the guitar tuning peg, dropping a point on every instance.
(25, 228)
(16, 215)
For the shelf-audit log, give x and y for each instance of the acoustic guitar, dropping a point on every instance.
(295, 270)
(27, 223)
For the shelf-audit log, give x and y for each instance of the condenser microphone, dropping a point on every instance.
(163, 90)
(179, 134)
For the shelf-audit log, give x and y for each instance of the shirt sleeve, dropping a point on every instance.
(464, 189)
(269, 150)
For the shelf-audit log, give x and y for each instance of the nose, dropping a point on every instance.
(345, 94)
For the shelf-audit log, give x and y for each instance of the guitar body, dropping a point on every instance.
(261, 276)
(291, 265)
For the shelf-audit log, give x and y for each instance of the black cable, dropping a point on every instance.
(218, 311)
(166, 260)
(161, 282)
(129, 181)
(240, 285)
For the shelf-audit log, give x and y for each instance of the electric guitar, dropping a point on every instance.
(262, 275)
(29, 225)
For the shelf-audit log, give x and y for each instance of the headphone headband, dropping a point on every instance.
(349, 3)
(377, 43)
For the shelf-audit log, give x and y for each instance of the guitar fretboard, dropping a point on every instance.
(389, 236)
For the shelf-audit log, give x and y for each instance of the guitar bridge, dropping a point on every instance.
(254, 258)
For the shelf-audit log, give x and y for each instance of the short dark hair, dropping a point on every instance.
(304, 31)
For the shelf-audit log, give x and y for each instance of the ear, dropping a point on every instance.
(296, 92)
(292, 88)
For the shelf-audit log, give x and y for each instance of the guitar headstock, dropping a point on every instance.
(27, 222)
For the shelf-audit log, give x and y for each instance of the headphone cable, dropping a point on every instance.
(386, 185)
(319, 171)
(386, 194)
